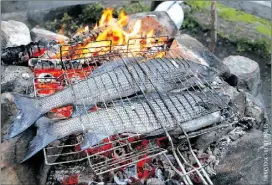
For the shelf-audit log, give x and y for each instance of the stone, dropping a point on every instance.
(8, 110)
(204, 141)
(40, 33)
(236, 133)
(16, 16)
(188, 47)
(154, 181)
(48, 11)
(244, 160)
(159, 21)
(14, 33)
(13, 151)
(255, 110)
(17, 79)
(268, 62)
(247, 71)
(238, 98)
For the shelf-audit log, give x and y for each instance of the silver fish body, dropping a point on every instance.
(124, 79)
(143, 117)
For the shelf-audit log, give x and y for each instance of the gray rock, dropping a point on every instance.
(268, 62)
(15, 33)
(48, 11)
(244, 161)
(186, 9)
(204, 141)
(247, 71)
(16, 16)
(8, 110)
(13, 151)
(255, 110)
(163, 24)
(17, 79)
(190, 48)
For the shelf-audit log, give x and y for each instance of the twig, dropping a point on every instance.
(213, 26)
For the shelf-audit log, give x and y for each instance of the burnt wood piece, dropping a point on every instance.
(19, 55)
(88, 36)
(43, 34)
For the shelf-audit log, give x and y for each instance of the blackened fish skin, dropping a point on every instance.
(136, 117)
(114, 81)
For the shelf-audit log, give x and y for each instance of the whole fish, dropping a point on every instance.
(114, 80)
(140, 116)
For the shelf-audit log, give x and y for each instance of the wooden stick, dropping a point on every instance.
(213, 26)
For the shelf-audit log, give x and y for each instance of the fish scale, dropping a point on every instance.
(112, 81)
(134, 117)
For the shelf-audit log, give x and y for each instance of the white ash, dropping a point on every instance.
(59, 172)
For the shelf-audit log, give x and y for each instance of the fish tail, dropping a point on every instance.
(28, 113)
(42, 139)
(90, 139)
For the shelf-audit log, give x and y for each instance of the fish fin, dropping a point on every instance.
(44, 121)
(28, 113)
(91, 139)
(42, 139)
(80, 110)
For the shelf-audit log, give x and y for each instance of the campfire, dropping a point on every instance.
(177, 97)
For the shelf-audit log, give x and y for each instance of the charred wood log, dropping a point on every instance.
(88, 35)
(19, 55)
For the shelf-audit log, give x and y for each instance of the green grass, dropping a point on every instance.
(262, 26)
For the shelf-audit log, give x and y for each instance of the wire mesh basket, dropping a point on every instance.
(121, 150)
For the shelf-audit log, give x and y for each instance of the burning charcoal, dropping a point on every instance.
(14, 33)
(19, 55)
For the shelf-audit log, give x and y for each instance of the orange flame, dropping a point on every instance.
(115, 34)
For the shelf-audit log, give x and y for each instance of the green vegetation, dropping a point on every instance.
(260, 25)
(135, 7)
(89, 15)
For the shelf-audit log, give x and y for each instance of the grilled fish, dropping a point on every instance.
(142, 116)
(114, 80)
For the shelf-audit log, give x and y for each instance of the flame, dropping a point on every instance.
(114, 34)
(123, 19)
(61, 31)
(106, 17)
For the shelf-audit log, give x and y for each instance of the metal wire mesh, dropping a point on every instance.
(166, 109)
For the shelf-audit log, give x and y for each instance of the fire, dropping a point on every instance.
(115, 35)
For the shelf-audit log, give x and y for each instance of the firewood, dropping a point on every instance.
(19, 55)
(88, 36)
